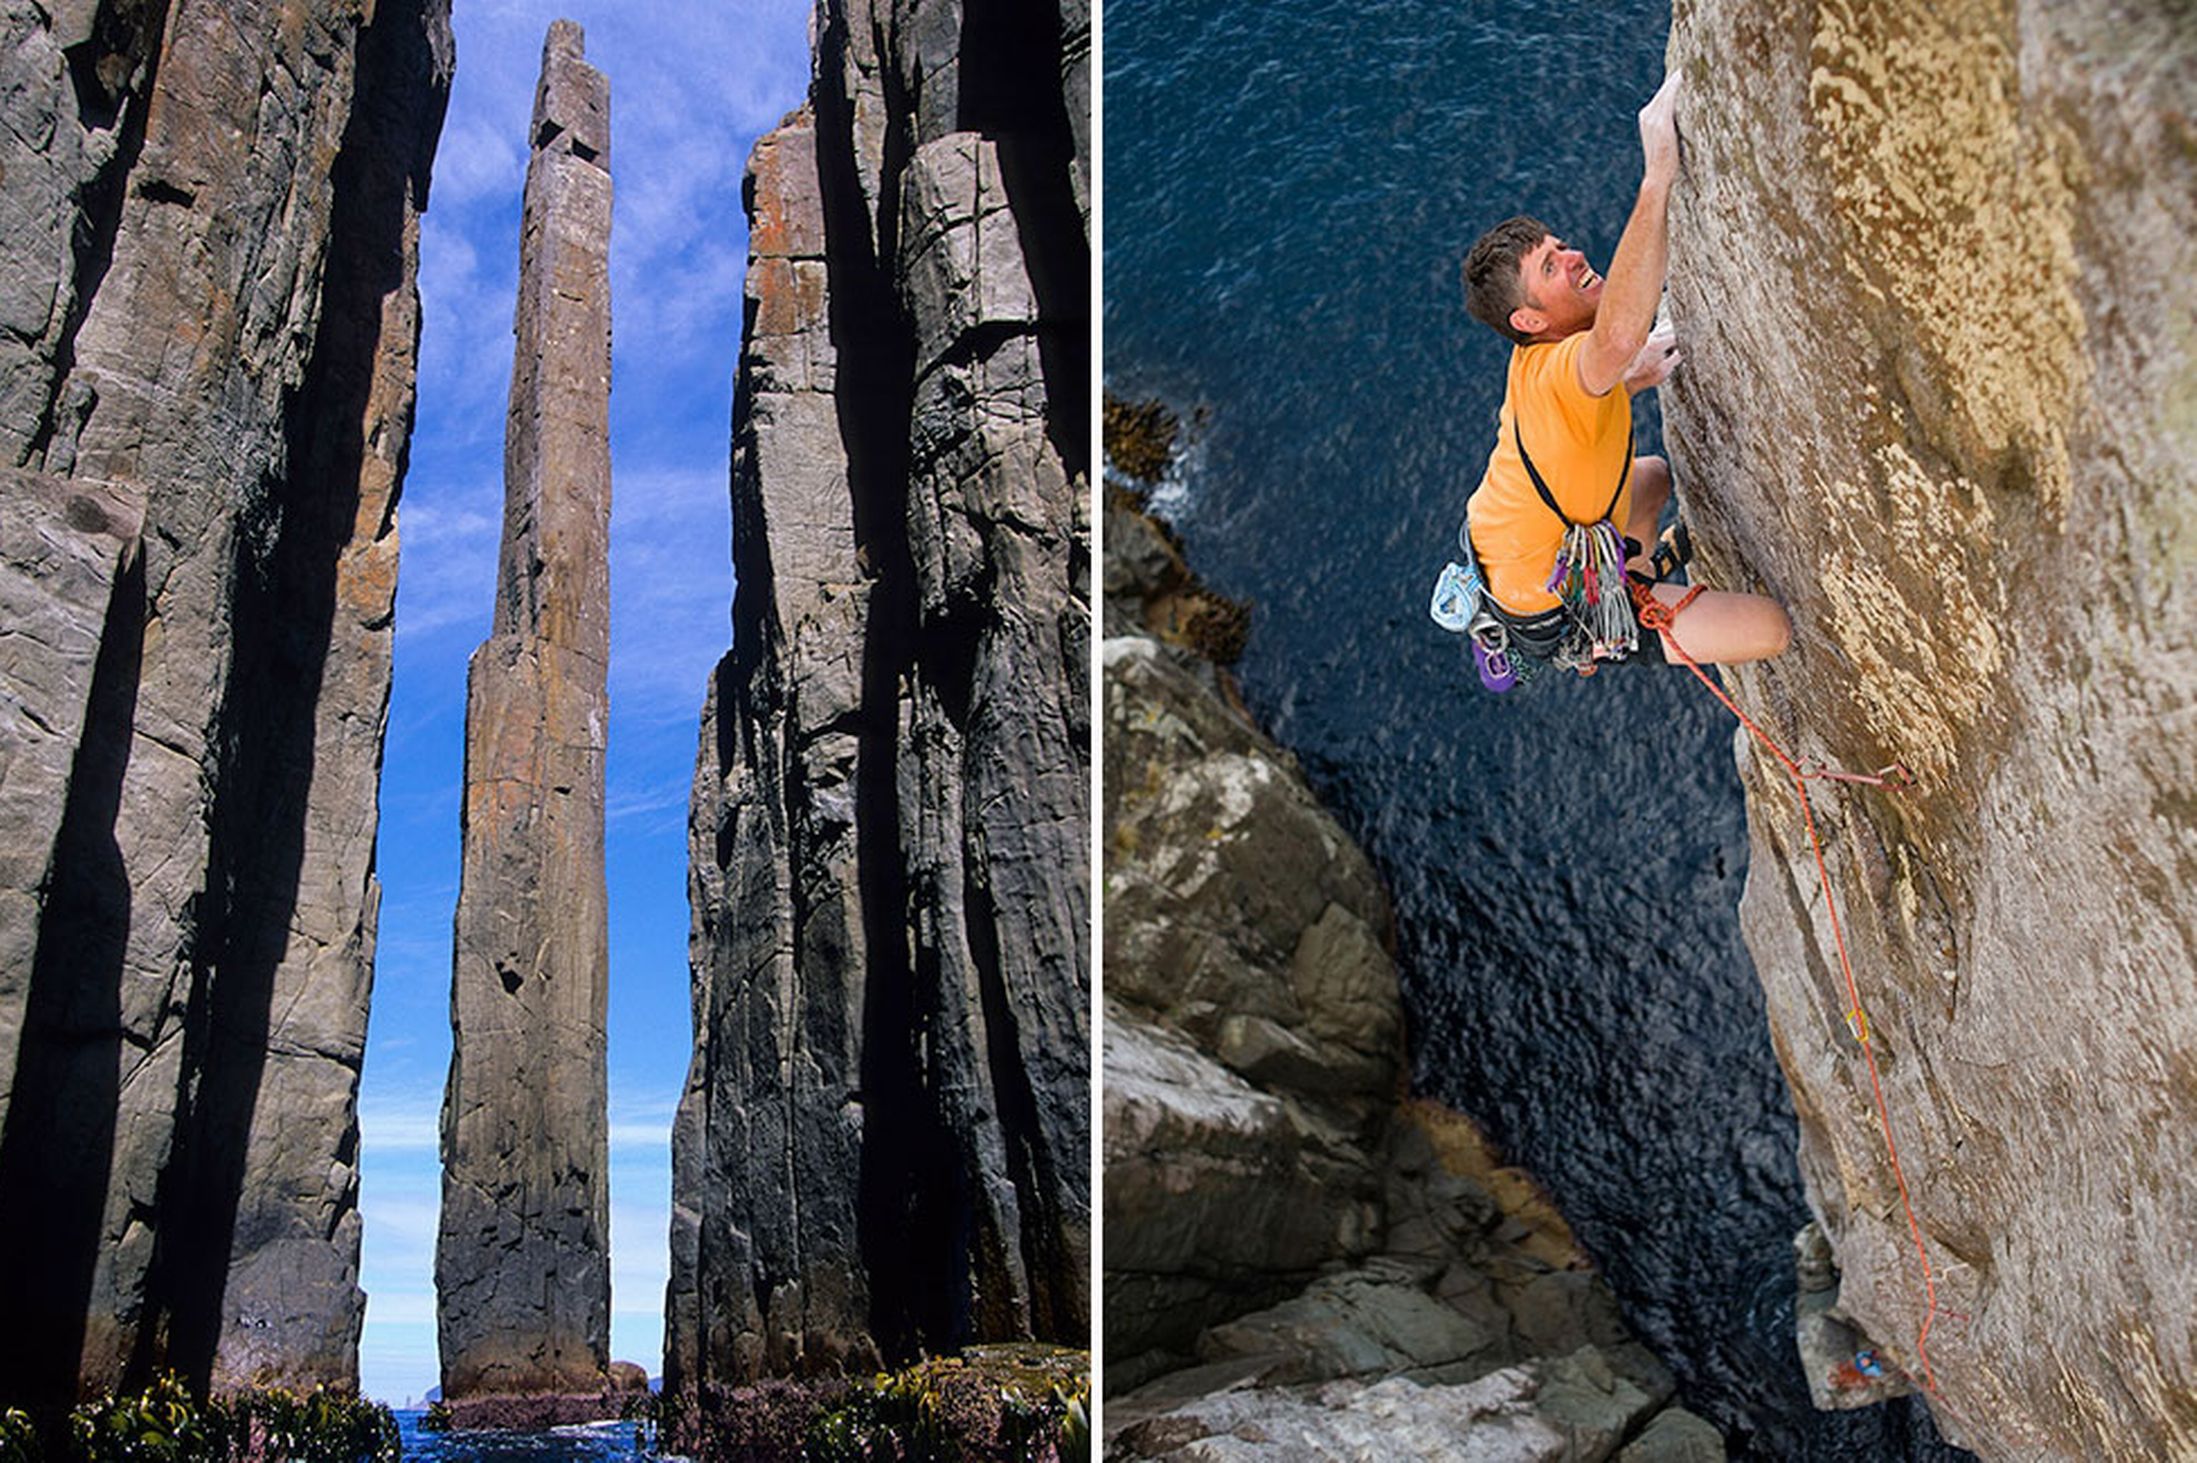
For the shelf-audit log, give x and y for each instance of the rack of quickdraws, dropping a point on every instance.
(1589, 579)
(1459, 605)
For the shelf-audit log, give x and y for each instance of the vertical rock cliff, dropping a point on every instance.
(884, 1142)
(206, 390)
(522, 1261)
(1935, 280)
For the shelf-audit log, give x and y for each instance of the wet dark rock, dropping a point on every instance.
(1296, 1263)
(532, 1412)
(1674, 1435)
(1140, 437)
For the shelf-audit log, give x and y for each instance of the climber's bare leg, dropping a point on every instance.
(1651, 489)
(1723, 627)
(1720, 627)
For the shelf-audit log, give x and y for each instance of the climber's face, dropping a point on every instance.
(1560, 289)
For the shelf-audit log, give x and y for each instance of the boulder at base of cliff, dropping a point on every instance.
(1577, 1407)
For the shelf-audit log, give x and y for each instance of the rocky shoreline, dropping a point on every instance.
(624, 1390)
(1299, 1255)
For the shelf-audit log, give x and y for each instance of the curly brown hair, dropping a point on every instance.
(1491, 274)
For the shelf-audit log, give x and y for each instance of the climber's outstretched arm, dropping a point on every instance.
(1634, 288)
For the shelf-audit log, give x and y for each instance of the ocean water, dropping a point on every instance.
(600, 1442)
(1289, 188)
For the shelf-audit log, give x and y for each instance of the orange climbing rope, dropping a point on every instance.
(1656, 616)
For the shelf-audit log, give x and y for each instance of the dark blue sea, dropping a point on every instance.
(601, 1442)
(1289, 188)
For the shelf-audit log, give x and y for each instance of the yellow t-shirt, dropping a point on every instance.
(1580, 443)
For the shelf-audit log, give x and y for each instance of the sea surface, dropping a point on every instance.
(1289, 189)
(600, 1442)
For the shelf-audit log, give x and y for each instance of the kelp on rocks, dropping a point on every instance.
(166, 1423)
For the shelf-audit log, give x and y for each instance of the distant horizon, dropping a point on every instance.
(678, 261)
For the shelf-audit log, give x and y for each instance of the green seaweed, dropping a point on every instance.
(167, 1423)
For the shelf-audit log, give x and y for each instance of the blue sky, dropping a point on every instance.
(692, 86)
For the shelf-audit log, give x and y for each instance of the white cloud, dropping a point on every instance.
(470, 518)
(642, 1137)
(654, 1110)
(469, 273)
(663, 806)
(450, 263)
(400, 1308)
(474, 161)
(389, 1127)
(450, 532)
(397, 1352)
(397, 1250)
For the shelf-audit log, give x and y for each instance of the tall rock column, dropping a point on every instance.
(1934, 275)
(886, 1130)
(208, 330)
(884, 1144)
(776, 875)
(522, 1260)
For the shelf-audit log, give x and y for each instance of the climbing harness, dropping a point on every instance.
(1655, 615)
(1592, 621)
(1589, 576)
(1462, 604)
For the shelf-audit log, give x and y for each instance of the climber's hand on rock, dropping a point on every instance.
(1659, 132)
(1653, 365)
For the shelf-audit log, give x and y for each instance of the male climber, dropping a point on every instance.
(1586, 342)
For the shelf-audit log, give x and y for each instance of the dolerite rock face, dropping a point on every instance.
(206, 388)
(884, 1143)
(522, 1261)
(1934, 274)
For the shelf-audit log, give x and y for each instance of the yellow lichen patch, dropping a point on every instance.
(1960, 213)
(1461, 1148)
(1904, 608)
(1906, 898)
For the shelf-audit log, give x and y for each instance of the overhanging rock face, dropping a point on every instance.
(206, 390)
(522, 1259)
(884, 1141)
(1934, 277)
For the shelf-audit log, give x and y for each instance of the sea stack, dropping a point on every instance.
(208, 329)
(883, 1148)
(522, 1263)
